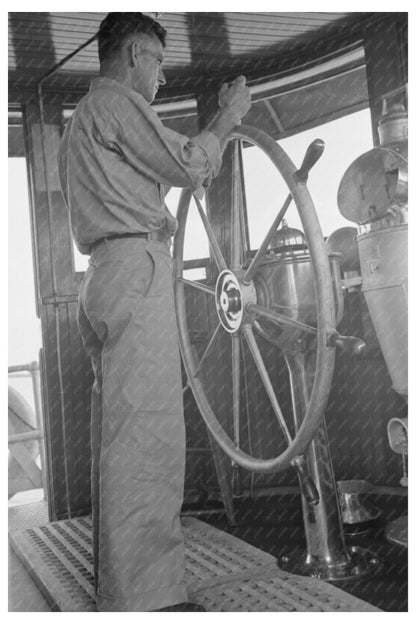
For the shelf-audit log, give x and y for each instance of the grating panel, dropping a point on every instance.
(211, 553)
(223, 573)
(59, 557)
(28, 515)
(275, 591)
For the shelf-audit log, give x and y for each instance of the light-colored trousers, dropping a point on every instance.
(128, 326)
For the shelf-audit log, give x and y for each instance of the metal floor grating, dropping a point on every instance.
(223, 573)
(212, 555)
(275, 590)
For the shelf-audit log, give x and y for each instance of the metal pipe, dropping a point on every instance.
(24, 437)
(24, 367)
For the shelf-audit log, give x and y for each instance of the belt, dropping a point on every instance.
(156, 235)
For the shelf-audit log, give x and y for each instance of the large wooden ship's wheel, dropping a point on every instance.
(242, 313)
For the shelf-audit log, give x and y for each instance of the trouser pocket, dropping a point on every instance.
(153, 379)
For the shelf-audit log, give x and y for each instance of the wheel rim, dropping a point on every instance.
(233, 300)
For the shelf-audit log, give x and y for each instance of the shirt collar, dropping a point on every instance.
(108, 83)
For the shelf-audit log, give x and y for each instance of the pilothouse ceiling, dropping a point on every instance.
(201, 46)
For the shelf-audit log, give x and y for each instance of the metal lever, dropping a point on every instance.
(349, 344)
(313, 154)
(308, 487)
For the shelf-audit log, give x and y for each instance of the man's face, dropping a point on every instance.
(147, 75)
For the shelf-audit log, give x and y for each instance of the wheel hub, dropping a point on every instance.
(231, 297)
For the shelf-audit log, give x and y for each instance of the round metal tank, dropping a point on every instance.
(383, 259)
(285, 283)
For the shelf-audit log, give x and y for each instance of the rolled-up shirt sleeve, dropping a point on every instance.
(135, 131)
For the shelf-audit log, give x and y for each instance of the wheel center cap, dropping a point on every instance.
(229, 301)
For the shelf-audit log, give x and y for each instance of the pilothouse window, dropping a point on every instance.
(345, 139)
(24, 327)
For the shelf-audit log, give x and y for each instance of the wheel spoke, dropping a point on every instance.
(280, 319)
(235, 353)
(264, 375)
(197, 285)
(215, 248)
(236, 237)
(209, 345)
(252, 268)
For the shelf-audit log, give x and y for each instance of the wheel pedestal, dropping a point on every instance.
(327, 557)
(353, 562)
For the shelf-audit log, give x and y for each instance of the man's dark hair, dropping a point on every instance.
(116, 27)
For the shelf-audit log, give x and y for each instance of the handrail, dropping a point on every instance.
(17, 368)
(35, 434)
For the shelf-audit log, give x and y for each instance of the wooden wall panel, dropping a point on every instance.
(67, 421)
(67, 375)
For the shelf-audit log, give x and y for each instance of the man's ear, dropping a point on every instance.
(134, 51)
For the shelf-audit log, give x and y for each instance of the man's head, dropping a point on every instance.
(130, 47)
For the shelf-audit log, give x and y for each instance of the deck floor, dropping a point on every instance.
(26, 510)
(271, 524)
(275, 525)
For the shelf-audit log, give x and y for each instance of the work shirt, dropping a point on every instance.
(115, 160)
